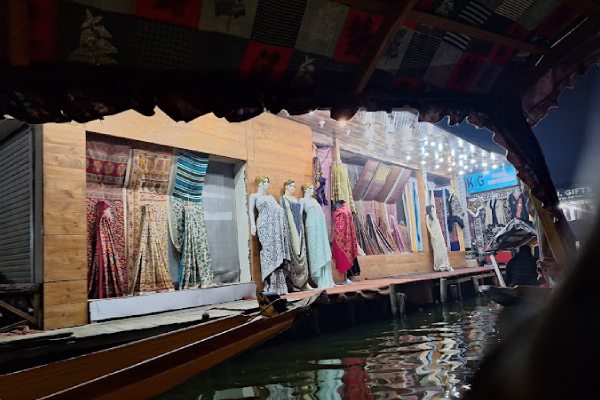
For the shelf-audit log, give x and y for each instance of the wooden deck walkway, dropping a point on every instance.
(187, 316)
(383, 284)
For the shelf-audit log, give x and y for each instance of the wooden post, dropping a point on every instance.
(443, 290)
(393, 299)
(476, 285)
(401, 303)
(497, 271)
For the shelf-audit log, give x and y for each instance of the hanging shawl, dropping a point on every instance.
(341, 186)
(108, 275)
(344, 248)
(186, 221)
(298, 267)
(147, 184)
(151, 273)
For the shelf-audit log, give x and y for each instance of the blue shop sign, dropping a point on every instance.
(494, 179)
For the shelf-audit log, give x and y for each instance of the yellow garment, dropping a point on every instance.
(341, 186)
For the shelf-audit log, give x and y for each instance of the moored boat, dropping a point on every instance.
(151, 366)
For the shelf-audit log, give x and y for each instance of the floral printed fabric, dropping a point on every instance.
(344, 247)
(151, 272)
(186, 221)
(107, 275)
(147, 220)
(189, 237)
(106, 162)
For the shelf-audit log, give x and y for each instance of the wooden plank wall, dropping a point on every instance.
(64, 232)
(271, 145)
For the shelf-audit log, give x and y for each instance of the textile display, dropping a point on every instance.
(365, 179)
(495, 212)
(478, 211)
(344, 248)
(377, 182)
(188, 235)
(106, 160)
(298, 266)
(417, 213)
(518, 206)
(271, 228)
(317, 243)
(441, 262)
(382, 220)
(186, 220)
(190, 171)
(151, 270)
(107, 275)
(409, 211)
(341, 186)
(147, 237)
(440, 206)
(390, 182)
(383, 246)
(325, 157)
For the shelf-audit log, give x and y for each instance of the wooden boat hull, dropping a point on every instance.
(511, 296)
(147, 367)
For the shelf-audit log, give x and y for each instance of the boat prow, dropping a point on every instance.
(148, 367)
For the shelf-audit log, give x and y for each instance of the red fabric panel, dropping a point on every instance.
(43, 28)
(179, 12)
(357, 37)
(267, 62)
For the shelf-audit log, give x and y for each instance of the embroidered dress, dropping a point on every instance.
(151, 273)
(298, 267)
(186, 221)
(441, 261)
(344, 248)
(319, 252)
(274, 253)
(107, 275)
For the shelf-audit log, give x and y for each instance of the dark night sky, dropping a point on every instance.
(565, 134)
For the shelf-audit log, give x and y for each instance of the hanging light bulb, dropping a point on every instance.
(461, 172)
(460, 143)
(440, 146)
(408, 157)
(453, 153)
(449, 169)
(423, 162)
(483, 153)
(461, 163)
(432, 143)
(437, 166)
(473, 161)
(426, 154)
(472, 148)
(495, 166)
(466, 167)
(484, 164)
(493, 156)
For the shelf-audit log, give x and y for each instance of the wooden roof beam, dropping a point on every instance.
(473, 31)
(384, 37)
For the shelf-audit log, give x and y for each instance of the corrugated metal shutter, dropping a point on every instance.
(16, 196)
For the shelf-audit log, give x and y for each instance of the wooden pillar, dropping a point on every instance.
(65, 229)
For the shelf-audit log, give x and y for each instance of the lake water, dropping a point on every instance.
(428, 355)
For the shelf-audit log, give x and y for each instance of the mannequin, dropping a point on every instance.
(441, 262)
(317, 241)
(298, 276)
(271, 228)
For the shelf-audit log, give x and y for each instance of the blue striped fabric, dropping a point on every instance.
(189, 176)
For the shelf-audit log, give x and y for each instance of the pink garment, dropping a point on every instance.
(344, 248)
(326, 159)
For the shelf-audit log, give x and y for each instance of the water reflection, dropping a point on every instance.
(420, 357)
